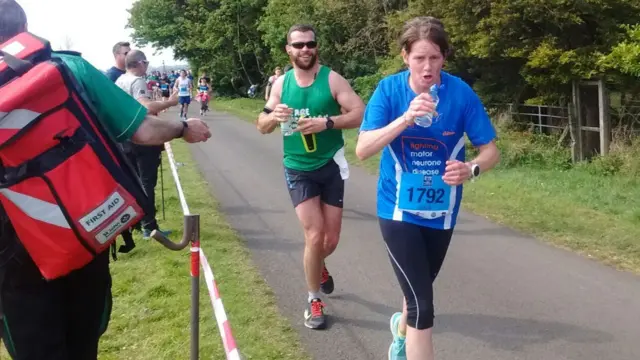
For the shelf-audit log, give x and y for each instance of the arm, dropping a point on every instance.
(488, 156)
(156, 131)
(371, 142)
(156, 107)
(351, 103)
(267, 123)
(267, 91)
(139, 90)
(481, 133)
(124, 117)
(377, 131)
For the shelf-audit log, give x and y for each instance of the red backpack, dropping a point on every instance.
(64, 183)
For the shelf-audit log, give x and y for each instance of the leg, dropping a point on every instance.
(310, 214)
(305, 195)
(88, 308)
(332, 203)
(187, 101)
(148, 159)
(34, 319)
(408, 253)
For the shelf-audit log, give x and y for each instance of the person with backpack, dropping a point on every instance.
(55, 283)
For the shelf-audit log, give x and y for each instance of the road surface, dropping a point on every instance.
(501, 295)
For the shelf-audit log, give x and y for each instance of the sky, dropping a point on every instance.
(92, 26)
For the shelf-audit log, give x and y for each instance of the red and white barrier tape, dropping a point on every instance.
(221, 316)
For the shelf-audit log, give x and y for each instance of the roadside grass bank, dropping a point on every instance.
(591, 208)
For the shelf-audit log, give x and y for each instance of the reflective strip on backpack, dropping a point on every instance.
(37, 209)
(17, 119)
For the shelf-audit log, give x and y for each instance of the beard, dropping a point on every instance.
(305, 64)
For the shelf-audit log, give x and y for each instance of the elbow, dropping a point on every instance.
(142, 136)
(361, 153)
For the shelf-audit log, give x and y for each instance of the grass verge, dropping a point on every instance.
(573, 208)
(151, 288)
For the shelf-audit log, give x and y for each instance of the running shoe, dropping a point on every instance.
(314, 317)
(397, 350)
(326, 282)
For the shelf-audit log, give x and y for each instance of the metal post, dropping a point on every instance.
(195, 289)
(162, 187)
(191, 235)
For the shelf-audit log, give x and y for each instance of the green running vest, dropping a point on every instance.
(310, 152)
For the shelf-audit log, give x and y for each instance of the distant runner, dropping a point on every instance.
(422, 170)
(203, 96)
(307, 103)
(185, 87)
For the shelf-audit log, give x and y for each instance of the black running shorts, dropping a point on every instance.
(325, 182)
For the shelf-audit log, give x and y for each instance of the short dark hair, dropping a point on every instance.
(12, 19)
(301, 28)
(425, 28)
(119, 45)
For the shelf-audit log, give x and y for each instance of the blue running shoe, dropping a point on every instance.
(397, 350)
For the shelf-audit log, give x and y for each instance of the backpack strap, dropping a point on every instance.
(19, 66)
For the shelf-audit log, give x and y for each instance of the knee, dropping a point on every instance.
(330, 242)
(314, 237)
(420, 314)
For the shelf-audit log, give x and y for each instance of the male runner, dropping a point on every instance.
(185, 87)
(321, 104)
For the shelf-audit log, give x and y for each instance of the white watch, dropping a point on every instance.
(475, 170)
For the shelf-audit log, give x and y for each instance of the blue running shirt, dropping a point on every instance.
(410, 187)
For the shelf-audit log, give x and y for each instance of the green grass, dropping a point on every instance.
(151, 288)
(573, 208)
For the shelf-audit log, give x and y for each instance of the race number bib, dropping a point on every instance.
(424, 193)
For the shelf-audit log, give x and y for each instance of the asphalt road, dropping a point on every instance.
(500, 296)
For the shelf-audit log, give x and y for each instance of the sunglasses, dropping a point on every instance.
(301, 45)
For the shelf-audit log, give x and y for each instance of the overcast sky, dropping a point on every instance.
(93, 26)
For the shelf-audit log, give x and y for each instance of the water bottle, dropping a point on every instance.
(288, 126)
(427, 119)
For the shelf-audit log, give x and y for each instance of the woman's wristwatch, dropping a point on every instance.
(475, 170)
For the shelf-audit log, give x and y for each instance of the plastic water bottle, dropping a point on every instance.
(427, 119)
(287, 127)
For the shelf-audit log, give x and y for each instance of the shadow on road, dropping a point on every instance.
(515, 334)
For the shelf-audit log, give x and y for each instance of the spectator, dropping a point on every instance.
(120, 51)
(64, 318)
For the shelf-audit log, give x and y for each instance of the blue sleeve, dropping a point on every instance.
(377, 113)
(477, 124)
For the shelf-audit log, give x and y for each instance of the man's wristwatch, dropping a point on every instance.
(475, 170)
(185, 125)
(330, 123)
